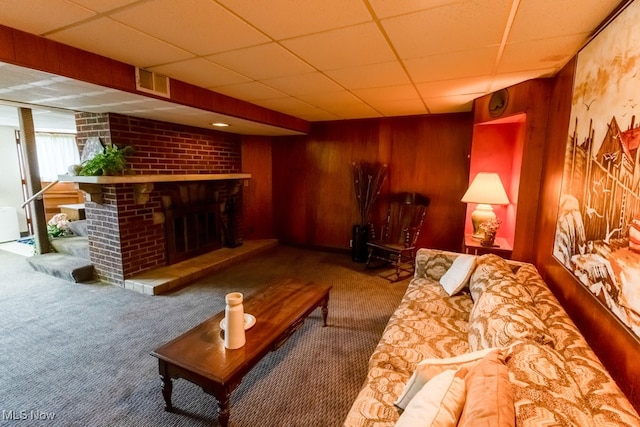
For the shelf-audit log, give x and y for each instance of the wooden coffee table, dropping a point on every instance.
(199, 355)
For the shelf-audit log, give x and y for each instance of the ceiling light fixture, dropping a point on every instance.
(220, 124)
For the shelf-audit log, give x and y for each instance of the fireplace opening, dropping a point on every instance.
(193, 219)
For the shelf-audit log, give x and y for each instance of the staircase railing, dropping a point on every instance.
(30, 199)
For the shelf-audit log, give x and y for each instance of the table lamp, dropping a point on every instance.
(486, 189)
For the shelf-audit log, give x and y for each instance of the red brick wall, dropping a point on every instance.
(125, 237)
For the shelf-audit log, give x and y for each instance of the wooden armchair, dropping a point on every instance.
(399, 234)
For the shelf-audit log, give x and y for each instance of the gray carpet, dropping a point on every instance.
(81, 351)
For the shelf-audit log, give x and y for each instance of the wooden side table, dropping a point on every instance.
(501, 247)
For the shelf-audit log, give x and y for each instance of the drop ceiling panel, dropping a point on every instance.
(200, 72)
(451, 104)
(537, 19)
(41, 16)
(342, 48)
(538, 54)
(262, 62)
(103, 5)
(282, 19)
(380, 94)
(108, 37)
(250, 91)
(441, 88)
(298, 108)
(307, 58)
(386, 8)
(303, 84)
(472, 63)
(501, 81)
(382, 74)
(452, 28)
(202, 27)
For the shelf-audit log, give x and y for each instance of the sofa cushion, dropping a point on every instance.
(489, 395)
(433, 263)
(545, 393)
(457, 277)
(428, 368)
(502, 315)
(489, 268)
(438, 403)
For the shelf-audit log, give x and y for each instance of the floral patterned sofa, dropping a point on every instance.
(499, 308)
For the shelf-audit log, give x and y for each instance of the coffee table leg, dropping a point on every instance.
(167, 387)
(325, 309)
(223, 411)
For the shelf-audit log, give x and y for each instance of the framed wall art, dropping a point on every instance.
(598, 227)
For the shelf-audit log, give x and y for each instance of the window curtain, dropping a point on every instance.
(56, 152)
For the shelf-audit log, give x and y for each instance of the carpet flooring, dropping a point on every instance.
(78, 354)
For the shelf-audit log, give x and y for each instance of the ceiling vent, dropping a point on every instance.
(150, 82)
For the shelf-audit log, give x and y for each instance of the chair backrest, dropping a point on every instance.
(404, 218)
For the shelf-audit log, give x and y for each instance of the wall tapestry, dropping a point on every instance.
(598, 229)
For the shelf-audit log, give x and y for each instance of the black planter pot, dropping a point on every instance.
(360, 236)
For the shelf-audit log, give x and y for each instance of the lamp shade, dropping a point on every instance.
(486, 188)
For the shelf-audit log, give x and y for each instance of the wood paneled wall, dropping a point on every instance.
(257, 192)
(532, 99)
(313, 198)
(615, 345)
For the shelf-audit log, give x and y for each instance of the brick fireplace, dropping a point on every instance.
(136, 226)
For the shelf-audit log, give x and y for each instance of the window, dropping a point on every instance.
(56, 152)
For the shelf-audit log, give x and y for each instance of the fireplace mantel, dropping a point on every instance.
(142, 184)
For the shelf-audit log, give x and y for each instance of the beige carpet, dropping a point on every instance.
(81, 352)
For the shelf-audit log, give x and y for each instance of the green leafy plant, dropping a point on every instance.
(113, 161)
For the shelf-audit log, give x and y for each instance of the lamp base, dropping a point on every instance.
(482, 213)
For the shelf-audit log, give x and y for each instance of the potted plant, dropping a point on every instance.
(368, 179)
(110, 162)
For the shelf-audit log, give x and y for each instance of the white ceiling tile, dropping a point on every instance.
(108, 37)
(383, 74)
(342, 48)
(455, 65)
(537, 19)
(41, 16)
(501, 81)
(283, 19)
(449, 50)
(198, 26)
(103, 5)
(456, 27)
(390, 93)
(249, 91)
(296, 107)
(455, 87)
(262, 62)
(451, 104)
(541, 53)
(200, 72)
(386, 8)
(405, 107)
(303, 84)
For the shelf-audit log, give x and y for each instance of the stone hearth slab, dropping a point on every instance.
(165, 279)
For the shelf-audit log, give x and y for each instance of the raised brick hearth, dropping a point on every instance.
(127, 237)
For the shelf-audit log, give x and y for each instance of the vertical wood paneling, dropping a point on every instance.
(313, 196)
(531, 98)
(258, 194)
(615, 345)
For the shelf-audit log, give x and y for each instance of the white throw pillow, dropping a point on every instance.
(428, 368)
(457, 277)
(438, 403)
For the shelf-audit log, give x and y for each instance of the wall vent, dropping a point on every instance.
(150, 82)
